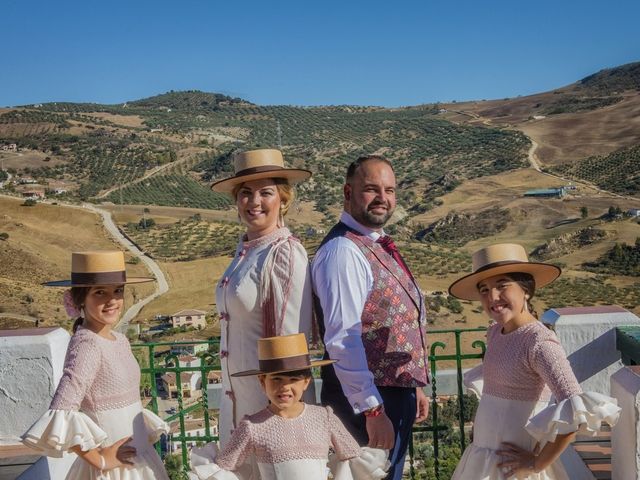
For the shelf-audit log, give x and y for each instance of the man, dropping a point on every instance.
(371, 314)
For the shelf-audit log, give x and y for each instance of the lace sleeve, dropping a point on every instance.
(288, 306)
(80, 370)
(549, 361)
(237, 449)
(342, 441)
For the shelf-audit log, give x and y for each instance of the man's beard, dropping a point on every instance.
(376, 220)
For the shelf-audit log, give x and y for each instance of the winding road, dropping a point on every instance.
(161, 282)
(162, 286)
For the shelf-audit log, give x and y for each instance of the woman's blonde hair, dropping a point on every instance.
(285, 191)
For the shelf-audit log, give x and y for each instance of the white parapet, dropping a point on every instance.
(32, 361)
(589, 338)
(625, 446)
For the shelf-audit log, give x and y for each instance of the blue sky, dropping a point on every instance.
(308, 53)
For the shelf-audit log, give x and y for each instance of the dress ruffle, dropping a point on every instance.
(372, 463)
(582, 414)
(474, 381)
(56, 431)
(484, 463)
(203, 466)
(156, 427)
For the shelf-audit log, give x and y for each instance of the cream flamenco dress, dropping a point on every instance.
(97, 402)
(265, 291)
(519, 372)
(291, 449)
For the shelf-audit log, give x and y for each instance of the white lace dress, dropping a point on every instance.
(513, 383)
(291, 449)
(97, 402)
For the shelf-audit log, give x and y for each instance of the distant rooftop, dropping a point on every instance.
(598, 309)
(183, 313)
(545, 191)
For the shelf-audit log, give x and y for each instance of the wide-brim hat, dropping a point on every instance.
(257, 164)
(286, 353)
(497, 260)
(89, 269)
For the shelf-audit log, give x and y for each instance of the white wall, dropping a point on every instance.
(31, 363)
(588, 336)
(625, 449)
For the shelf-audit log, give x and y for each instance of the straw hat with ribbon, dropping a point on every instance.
(89, 269)
(497, 260)
(286, 353)
(257, 164)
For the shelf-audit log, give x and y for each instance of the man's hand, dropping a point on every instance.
(422, 407)
(380, 431)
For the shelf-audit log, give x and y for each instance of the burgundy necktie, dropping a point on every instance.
(391, 249)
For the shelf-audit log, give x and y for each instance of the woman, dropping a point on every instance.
(517, 433)
(96, 410)
(266, 289)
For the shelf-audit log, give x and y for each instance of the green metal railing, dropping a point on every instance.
(440, 353)
(437, 355)
(154, 367)
(628, 343)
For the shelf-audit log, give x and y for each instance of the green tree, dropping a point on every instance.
(173, 464)
(584, 212)
(454, 305)
(146, 223)
(140, 355)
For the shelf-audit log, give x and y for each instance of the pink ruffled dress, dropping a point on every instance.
(290, 449)
(97, 402)
(519, 373)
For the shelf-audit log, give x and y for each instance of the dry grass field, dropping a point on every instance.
(38, 249)
(191, 285)
(573, 136)
(28, 159)
(562, 137)
(506, 191)
(124, 120)
(301, 213)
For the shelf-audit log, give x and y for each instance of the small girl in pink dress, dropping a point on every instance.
(289, 439)
(517, 433)
(96, 411)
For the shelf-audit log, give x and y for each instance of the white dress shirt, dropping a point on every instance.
(342, 280)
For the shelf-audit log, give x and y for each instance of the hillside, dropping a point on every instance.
(462, 171)
(98, 153)
(592, 117)
(37, 248)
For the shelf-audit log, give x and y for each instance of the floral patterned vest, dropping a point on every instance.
(392, 319)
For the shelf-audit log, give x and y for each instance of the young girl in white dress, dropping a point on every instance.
(289, 439)
(517, 432)
(96, 411)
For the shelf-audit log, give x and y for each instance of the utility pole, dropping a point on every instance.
(279, 135)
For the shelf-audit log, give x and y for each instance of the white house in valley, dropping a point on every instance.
(189, 318)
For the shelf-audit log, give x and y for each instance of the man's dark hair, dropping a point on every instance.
(357, 163)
